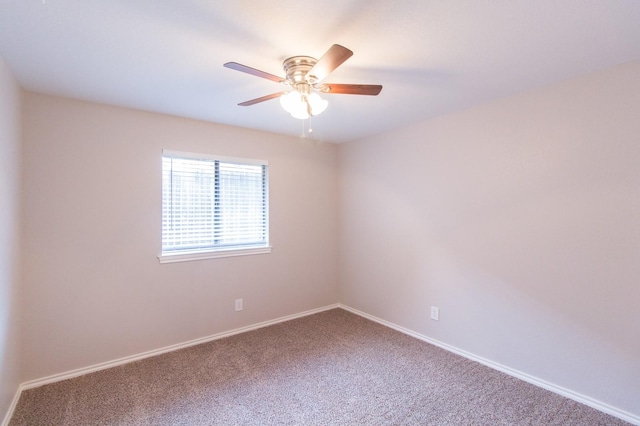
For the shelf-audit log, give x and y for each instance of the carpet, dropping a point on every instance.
(330, 368)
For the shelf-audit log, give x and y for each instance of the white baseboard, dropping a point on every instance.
(12, 408)
(121, 361)
(583, 399)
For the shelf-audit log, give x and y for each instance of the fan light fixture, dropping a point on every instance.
(304, 75)
(302, 104)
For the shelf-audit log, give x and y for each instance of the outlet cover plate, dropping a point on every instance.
(435, 313)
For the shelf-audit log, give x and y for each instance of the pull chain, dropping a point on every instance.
(305, 130)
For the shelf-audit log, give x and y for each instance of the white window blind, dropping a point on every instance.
(213, 204)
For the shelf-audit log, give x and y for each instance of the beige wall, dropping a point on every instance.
(520, 219)
(10, 124)
(95, 289)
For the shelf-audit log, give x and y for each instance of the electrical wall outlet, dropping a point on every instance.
(435, 313)
(239, 305)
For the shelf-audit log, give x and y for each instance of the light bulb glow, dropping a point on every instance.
(302, 105)
(318, 105)
(301, 113)
(290, 101)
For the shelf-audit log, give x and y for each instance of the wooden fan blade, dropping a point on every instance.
(262, 99)
(351, 89)
(243, 68)
(331, 60)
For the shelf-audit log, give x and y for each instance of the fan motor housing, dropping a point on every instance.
(297, 67)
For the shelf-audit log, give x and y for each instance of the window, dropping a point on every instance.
(213, 207)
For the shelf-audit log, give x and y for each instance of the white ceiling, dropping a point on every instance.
(431, 56)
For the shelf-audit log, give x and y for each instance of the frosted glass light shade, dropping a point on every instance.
(317, 103)
(301, 113)
(299, 105)
(290, 101)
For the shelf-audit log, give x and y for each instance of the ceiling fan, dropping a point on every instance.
(304, 76)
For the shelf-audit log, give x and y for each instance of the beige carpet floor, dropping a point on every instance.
(331, 368)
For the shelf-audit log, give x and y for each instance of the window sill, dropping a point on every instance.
(200, 255)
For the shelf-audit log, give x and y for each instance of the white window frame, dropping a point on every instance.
(213, 252)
